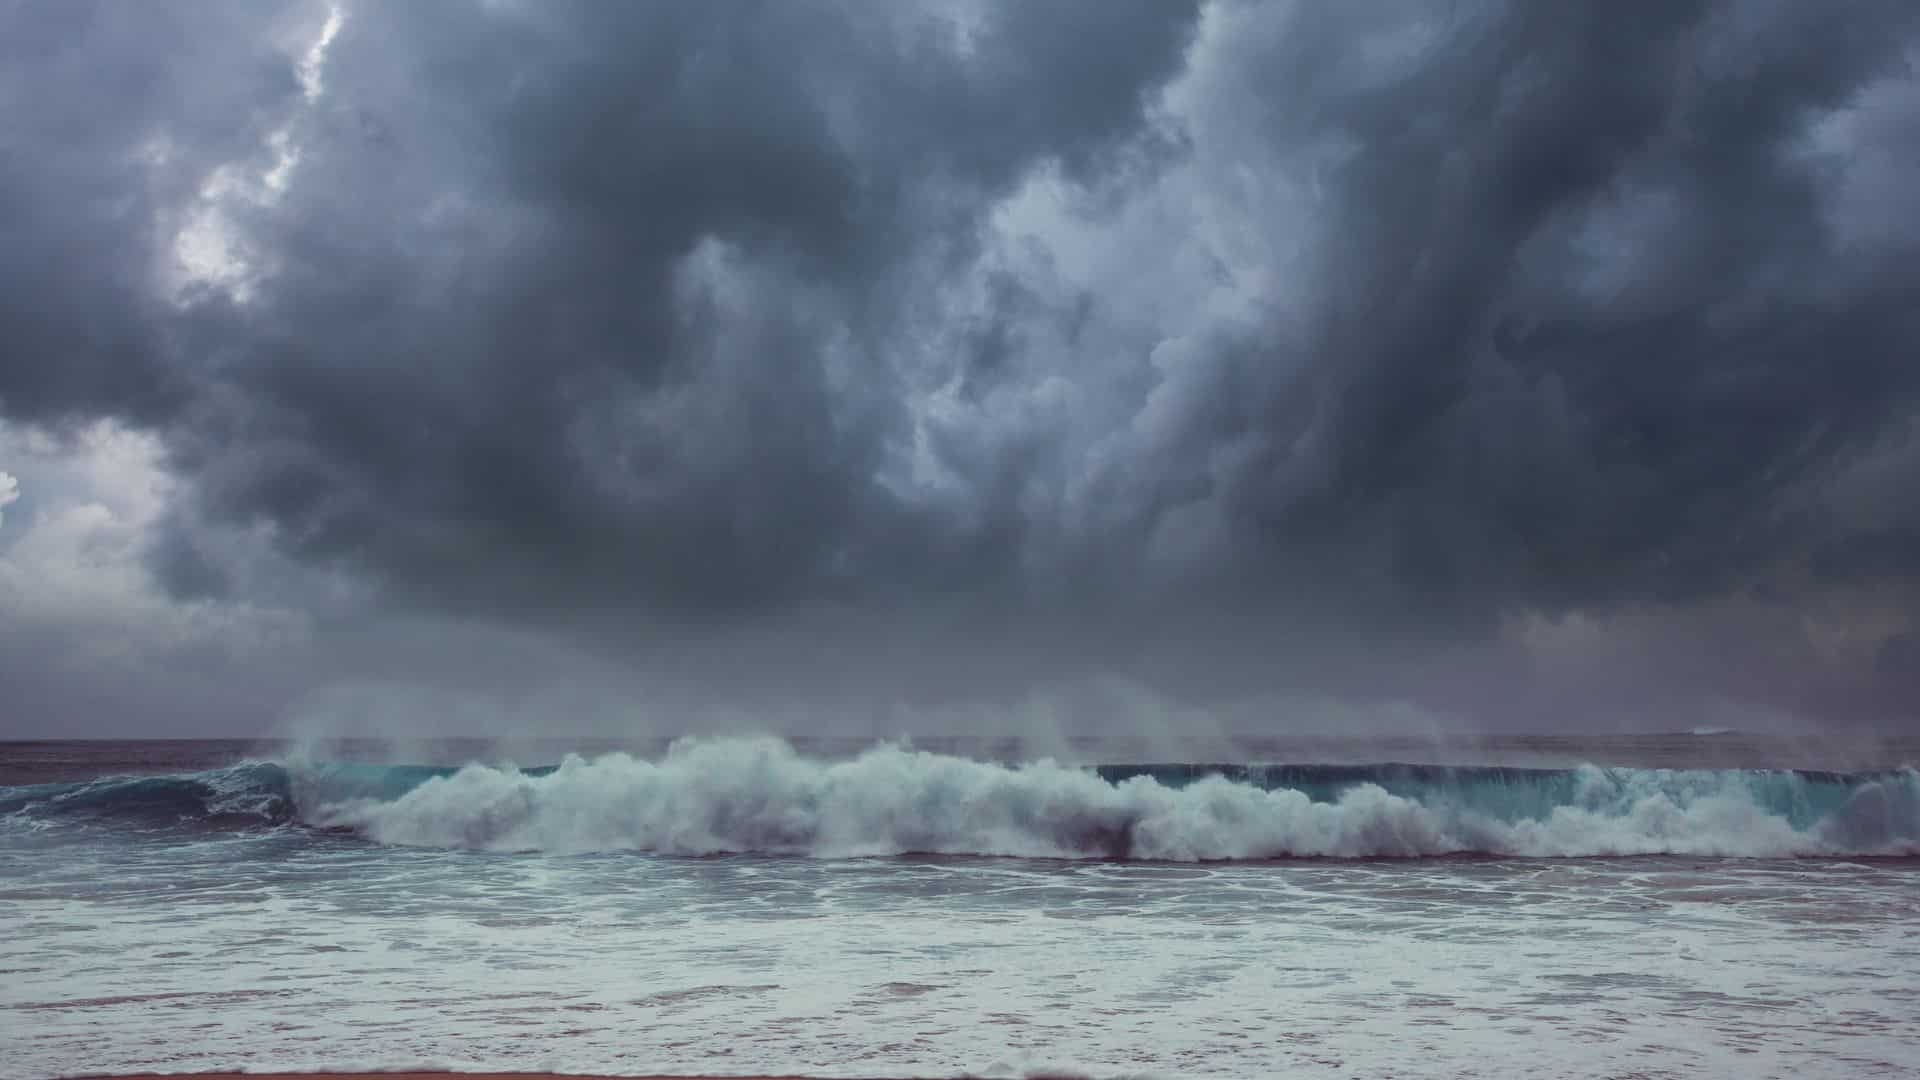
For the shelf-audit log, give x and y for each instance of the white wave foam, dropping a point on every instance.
(758, 795)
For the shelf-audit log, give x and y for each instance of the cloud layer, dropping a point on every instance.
(1236, 347)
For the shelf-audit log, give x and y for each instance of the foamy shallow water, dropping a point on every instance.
(283, 947)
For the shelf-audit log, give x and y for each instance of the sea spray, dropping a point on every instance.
(758, 795)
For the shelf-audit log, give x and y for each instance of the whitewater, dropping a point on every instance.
(738, 905)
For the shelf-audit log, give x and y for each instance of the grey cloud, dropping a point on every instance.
(643, 360)
(1487, 412)
(641, 319)
(109, 117)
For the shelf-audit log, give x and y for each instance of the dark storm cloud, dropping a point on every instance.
(1583, 325)
(658, 310)
(109, 118)
(480, 370)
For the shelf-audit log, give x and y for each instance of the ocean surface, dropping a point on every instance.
(1700, 904)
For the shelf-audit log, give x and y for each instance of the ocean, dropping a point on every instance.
(1699, 904)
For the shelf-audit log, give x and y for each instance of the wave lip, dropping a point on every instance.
(759, 795)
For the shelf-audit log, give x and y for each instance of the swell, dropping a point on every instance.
(759, 795)
(238, 796)
(246, 795)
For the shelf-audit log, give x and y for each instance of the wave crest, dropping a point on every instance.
(759, 795)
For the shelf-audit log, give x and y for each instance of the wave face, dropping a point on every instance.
(758, 795)
(250, 794)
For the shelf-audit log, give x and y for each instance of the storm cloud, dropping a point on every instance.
(1414, 351)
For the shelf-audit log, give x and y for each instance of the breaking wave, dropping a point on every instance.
(759, 795)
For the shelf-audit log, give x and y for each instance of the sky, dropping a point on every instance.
(491, 365)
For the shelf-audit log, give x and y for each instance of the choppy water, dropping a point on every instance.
(738, 906)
